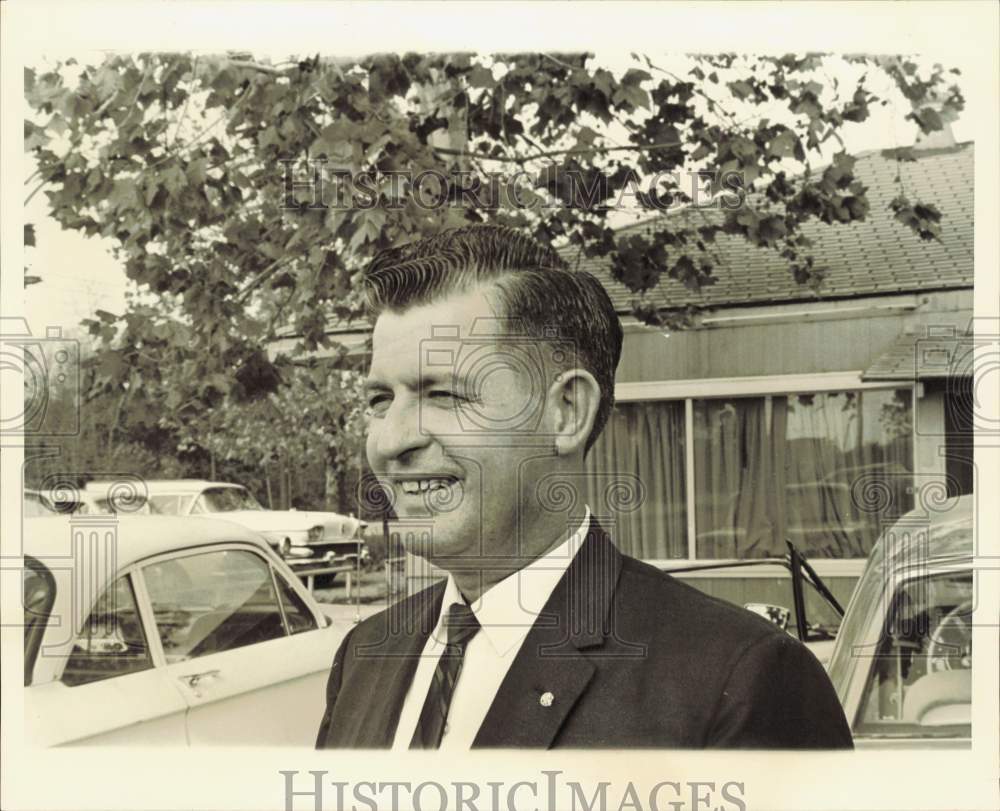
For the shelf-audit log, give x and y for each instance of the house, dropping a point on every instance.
(786, 413)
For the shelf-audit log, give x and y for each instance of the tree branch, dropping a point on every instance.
(697, 90)
(561, 63)
(555, 153)
(187, 101)
(261, 277)
(268, 69)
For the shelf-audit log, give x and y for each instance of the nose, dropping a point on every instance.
(398, 434)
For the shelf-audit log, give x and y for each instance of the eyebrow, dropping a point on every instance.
(375, 383)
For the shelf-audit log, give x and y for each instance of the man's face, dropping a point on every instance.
(457, 424)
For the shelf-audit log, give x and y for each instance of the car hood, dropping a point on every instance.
(334, 524)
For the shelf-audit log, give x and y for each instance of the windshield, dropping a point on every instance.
(866, 598)
(38, 590)
(225, 500)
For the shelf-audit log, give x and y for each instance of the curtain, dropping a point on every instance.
(635, 479)
(738, 479)
(827, 471)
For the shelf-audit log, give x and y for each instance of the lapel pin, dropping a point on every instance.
(546, 699)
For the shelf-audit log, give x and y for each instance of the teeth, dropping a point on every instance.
(413, 486)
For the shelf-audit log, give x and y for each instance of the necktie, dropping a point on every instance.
(461, 625)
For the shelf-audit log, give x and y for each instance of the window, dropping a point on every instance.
(38, 593)
(213, 602)
(297, 613)
(827, 471)
(224, 500)
(958, 435)
(921, 676)
(112, 642)
(642, 446)
(169, 504)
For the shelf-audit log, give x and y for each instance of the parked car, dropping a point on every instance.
(195, 632)
(312, 542)
(902, 662)
(35, 504)
(812, 614)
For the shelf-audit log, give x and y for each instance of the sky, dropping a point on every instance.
(81, 275)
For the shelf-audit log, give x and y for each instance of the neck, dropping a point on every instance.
(474, 581)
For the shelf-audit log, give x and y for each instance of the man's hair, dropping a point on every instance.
(534, 288)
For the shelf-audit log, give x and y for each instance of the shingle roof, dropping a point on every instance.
(935, 353)
(879, 255)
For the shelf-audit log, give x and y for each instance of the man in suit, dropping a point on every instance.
(492, 374)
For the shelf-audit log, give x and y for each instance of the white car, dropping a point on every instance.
(35, 504)
(175, 631)
(902, 663)
(311, 541)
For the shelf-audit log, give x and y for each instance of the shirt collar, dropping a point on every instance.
(508, 609)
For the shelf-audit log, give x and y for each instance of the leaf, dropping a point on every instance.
(928, 119)
(783, 144)
(740, 89)
(701, 151)
(634, 96)
(481, 76)
(29, 235)
(34, 137)
(369, 226)
(634, 76)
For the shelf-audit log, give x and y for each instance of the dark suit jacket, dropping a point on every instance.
(632, 658)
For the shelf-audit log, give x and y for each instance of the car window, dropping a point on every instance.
(225, 499)
(212, 602)
(38, 593)
(297, 613)
(168, 504)
(822, 619)
(857, 617)
(112, 642)
(921, 675)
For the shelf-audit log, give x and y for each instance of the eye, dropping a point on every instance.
(378, 404)
(446, 398)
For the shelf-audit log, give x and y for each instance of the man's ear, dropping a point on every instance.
(573, 400)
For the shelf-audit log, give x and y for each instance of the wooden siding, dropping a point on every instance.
(827, 341)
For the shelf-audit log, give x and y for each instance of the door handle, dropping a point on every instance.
(194, 679)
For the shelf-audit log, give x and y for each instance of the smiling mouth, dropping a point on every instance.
(417, 486)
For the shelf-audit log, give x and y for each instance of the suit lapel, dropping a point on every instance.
(387, 666)
(550, 672)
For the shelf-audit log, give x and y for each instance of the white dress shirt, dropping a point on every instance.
(505, 613)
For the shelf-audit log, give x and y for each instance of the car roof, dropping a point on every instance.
(947, 527)
(153, 486)
(136, 537)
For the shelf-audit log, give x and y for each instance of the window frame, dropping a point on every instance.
(129, 575)
(275, 577)
(754, 386)
(146, 604)
(34, 628)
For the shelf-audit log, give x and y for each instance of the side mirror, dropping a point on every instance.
(776, 614)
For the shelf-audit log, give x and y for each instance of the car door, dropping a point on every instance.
(110, 690)
(247, 651)
(917, 688)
